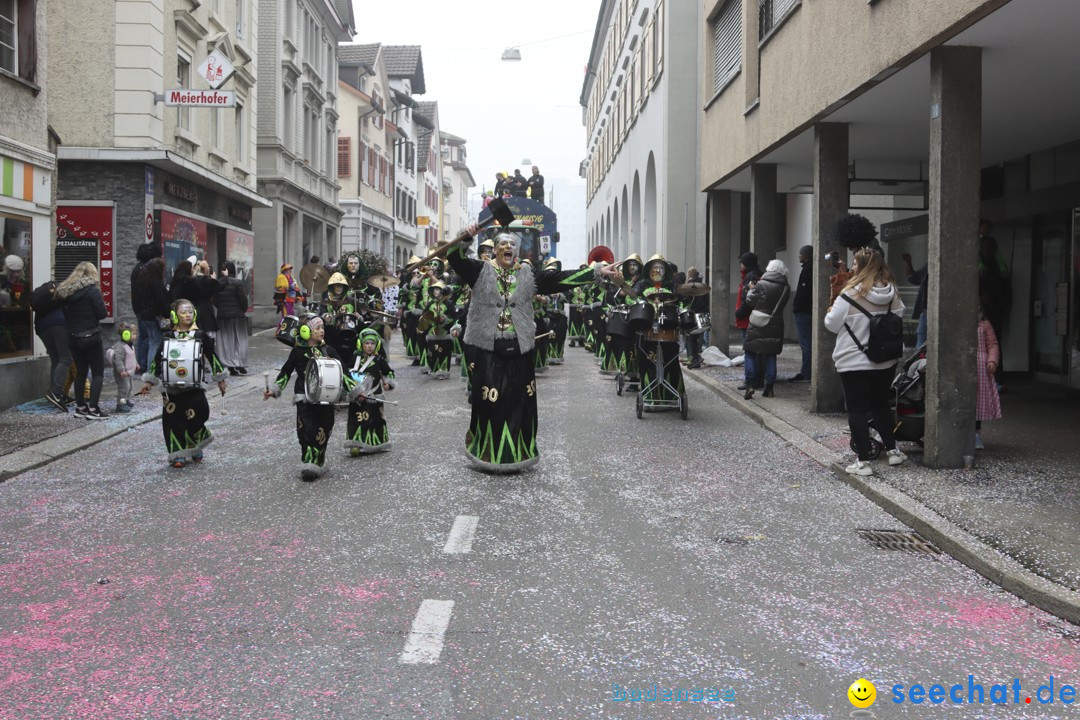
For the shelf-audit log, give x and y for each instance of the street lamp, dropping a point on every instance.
(511, 54)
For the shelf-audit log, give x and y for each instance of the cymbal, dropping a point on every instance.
(314, 277)
(693, 289)
(383, 281)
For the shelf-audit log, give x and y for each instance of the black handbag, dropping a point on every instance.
(87, 338)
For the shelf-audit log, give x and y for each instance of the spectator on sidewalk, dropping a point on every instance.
(698, 304)
(764, 309)
(232, 338)
(866, 384)
(749, 273)
(121, 356)
(193, 282)
(149, 302)
(987, 360)
(50, 326)
(995, 284)
(84, 308)
(802, 307)
(918, 277)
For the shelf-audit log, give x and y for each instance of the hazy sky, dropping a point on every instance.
(507, 111)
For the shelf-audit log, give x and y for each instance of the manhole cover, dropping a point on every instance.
(894, 540)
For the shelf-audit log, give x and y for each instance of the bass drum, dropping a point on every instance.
(287, 329)
(323, 383)
(618, 324)
(640, 317)
(702, 322)
(667, 317)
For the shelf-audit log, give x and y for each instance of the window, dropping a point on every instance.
(217, 129)
(343, 156)
(372, 166)
(183, 80)
(771, 13)
(240, 153)
(289, 113)
(290, 19)
(382, 174)
(330, 150)
(727, 44)
(9, 31)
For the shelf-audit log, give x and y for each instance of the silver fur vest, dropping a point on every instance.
(487, 303)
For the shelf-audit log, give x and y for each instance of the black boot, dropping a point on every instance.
(768, 391)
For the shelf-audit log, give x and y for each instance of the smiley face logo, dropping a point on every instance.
(862, 693)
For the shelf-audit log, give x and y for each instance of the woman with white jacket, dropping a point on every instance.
(866, 383)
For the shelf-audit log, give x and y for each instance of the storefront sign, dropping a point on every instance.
(85, 232)
(183, 97)
(240, 212)
(903, 229)
(181, 238)
(181, 191)
(216, 69)
(240, 250)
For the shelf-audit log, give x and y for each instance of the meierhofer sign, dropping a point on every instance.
(185, 97)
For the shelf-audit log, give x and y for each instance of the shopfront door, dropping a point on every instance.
(1051, 281)
(1074, 314)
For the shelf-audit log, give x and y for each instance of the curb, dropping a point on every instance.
(959, 544)
(47, 451)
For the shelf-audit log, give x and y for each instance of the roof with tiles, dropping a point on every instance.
(358, 54)
(405, 61)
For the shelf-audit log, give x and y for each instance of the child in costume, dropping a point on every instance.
(440, 344)
(122, 358)
(367, 428)
(314, 421)
(185, 408)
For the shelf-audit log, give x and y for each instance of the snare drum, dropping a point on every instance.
(617, 323)
(287, 328)
(323, 384)
(661, 335)
(702, 322)
(183, 363)
(667, 317)
(640, 317)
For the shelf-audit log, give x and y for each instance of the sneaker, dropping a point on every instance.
(81, 411)
(55, 401)
(95, 414)
(768, 392)
(896, 457)
(242, 370)
(196, 457)
(799, 377)
(859, 468)
(124, 408)
(68, 400)
(179, 462)
(979, 442)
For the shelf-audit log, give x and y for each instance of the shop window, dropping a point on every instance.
(18, 38)
(16, 321)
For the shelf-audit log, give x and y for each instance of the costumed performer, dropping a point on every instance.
(367, 428)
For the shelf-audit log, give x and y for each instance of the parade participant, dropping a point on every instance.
(314, 421)
(575, 331)
(502, 429)
(431, 274)
(407, 301)
(622, 350)
(185, 409)
(658, 287)
(556, 318)
(440, 313)
(367, 428)
(486, 251)
(338, 297)
(353, 268)
(286, 292)
(543, 338)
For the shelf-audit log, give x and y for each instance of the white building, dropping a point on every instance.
(429, 172)
(641, 103)
(297, 134)
(457, 179)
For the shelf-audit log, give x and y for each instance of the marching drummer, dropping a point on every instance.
(696, 304)
(556, 317)
(622, 349)
(185, 410)
(367, 429)
(314, 421)
(658, 287)
(439, 313)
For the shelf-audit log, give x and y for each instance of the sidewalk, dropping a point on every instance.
(1014, 517)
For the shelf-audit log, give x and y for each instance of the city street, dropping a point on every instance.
(704, 554)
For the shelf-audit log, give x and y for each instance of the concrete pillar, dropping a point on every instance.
(952, 305)
(765, 228)
(719, 277)
(830, 204)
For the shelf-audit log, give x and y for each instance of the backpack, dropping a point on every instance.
(886, 339)
(43, 299)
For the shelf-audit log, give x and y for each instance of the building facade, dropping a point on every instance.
(429, 177)
(297, 134)
(457, 179)
(27, 165)
(639, 107)
(925, 117)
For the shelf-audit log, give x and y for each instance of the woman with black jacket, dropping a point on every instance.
(84, 308)
(193, 282)
(765, 330)
(232, 336)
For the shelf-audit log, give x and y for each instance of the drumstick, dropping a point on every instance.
(544, 335)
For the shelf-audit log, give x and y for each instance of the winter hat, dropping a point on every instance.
(807, 251)
(749, 260)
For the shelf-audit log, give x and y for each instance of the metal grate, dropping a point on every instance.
(894, 540)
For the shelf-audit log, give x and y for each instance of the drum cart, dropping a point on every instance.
(660, 382)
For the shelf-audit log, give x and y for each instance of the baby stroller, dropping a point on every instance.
(909, 404)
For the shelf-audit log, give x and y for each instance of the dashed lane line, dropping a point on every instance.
(425, 642)
(461, 535)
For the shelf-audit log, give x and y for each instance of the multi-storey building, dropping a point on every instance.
(457, 179)
(27, 164)
(639, 107)
(405, 69)
(429, 173)
(297, 133)
(133, 169)
(925, 116)
(366, 145)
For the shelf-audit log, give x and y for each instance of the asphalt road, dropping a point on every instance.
(699, 554)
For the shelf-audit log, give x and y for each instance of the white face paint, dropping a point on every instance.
(353, 264)
(185, 312)
(506, 250)
(656, 272)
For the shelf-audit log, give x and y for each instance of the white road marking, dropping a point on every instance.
(425, 641)
(461, 535)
